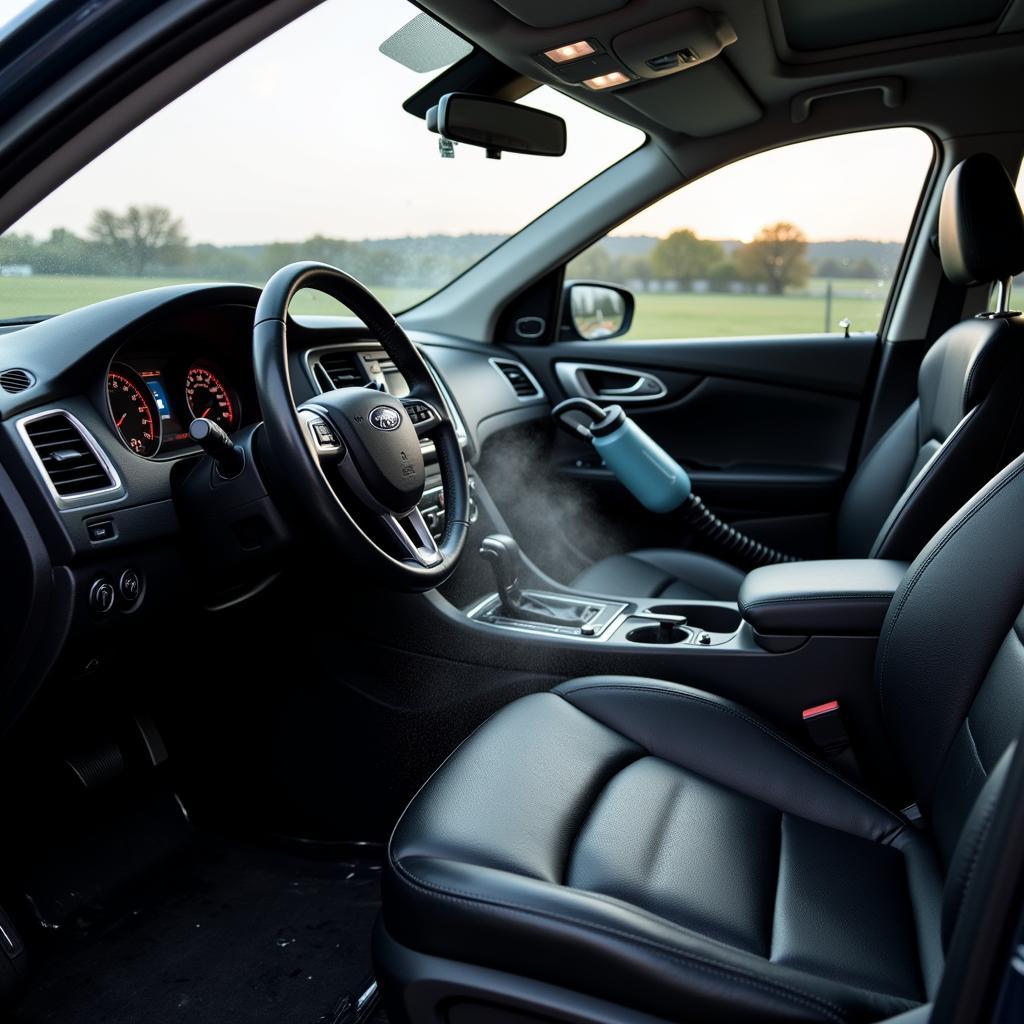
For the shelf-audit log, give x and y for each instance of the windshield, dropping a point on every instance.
(299, 149)
(14, 12)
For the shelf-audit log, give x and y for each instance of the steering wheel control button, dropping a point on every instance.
(130, 586)
(418, 412)
(102, 596)
(324, 435)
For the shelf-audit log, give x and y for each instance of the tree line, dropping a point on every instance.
(151, 241)
(775, 259)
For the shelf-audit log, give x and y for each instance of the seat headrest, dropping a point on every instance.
(981, 226)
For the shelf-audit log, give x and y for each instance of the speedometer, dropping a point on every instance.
(133, 411)
(208, 398)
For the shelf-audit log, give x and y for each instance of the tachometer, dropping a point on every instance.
(133, 411)
(208, 398)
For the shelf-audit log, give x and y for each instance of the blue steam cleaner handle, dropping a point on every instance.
(651, 475)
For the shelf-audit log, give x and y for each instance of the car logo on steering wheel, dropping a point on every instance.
(383, 417)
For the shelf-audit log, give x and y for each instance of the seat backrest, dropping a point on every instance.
(950, 671)
(967, 421)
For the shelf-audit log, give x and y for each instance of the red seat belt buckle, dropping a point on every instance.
(824, 725)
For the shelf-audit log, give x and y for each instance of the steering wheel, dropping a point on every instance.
(350, 459)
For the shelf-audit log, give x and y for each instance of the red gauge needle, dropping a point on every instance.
(120, 421)
(205, 414)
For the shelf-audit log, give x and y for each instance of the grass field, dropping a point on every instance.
(665, 315)
(23, 296)
(711, 316)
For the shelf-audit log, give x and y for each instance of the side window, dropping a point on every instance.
(1017, 289)
(790, 241)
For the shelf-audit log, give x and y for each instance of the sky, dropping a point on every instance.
(305, 134)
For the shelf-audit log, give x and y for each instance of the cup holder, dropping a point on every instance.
(657, 634)
(710, 617)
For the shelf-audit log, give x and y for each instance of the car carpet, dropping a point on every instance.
(237, 933)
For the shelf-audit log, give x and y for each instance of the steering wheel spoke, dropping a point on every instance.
(414, 537)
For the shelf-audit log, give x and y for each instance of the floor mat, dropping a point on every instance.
(238, 934)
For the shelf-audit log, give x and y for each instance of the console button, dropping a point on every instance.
(102, 596)
(130, 586)
(100, 530)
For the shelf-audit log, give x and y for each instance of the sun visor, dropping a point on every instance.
(424, 44)
(706, 100)
(545, 14)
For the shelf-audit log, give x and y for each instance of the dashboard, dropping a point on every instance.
(117, 384)
(97, 537)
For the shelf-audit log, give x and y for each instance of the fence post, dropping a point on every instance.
(828, 305)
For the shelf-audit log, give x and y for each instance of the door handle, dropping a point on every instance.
(609, 383)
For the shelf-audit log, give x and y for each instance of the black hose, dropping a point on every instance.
(726, 539)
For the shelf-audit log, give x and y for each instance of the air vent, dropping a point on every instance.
(341, 367)
(16, 381)
(519, 378)
(71, 461)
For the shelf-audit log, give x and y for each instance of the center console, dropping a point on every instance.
(603, 620)
(780, 606)
(594, 619)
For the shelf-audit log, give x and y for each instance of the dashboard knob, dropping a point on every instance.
(130, 586)
(102, 596)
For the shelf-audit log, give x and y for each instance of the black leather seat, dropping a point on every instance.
(962, 429)
(624, 846)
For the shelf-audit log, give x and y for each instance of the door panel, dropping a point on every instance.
(765, 427)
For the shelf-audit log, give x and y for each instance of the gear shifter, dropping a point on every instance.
(503, 553)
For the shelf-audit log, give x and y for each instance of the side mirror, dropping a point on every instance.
(592, 311)
(497, 126)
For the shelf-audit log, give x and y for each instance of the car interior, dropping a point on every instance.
(440, 623)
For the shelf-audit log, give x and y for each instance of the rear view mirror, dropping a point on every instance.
(497, 126)
(595, 312)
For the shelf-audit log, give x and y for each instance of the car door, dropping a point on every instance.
(749, 361)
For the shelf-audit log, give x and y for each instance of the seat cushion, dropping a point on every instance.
(662, 848)
(662, 572)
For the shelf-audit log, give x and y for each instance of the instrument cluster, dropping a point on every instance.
(152, 408)
(155, 389)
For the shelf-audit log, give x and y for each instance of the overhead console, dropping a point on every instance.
(656, 50)
(636, 62)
